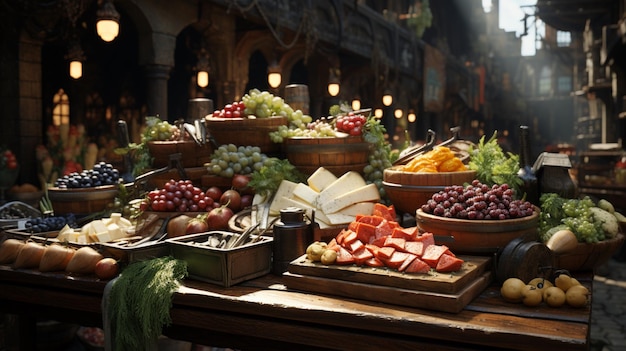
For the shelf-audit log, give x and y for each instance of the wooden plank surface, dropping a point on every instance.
(445, 283)
(453, 302)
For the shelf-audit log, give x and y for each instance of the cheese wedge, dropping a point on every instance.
(285, 189)
(365, 193)
(349, 181)
(361, 208)
(308, 208)
(305, 193)
(320, 179)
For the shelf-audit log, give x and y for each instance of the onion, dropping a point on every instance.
(29, 256)
(107, 268)
(55, 258)
(177, 226)
(9, 250)
(84, 261)
(197, 225)
(218, 218)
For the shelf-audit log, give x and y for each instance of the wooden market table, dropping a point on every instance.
(262, 314)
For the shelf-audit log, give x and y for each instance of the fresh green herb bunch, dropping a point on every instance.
(493, 165)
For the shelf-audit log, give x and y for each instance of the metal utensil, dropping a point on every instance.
(409, 153)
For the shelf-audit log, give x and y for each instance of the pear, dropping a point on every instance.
(577, 296)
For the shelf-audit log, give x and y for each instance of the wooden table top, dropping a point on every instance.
(264, 314)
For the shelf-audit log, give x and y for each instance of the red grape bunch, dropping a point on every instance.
(351, 123)
(478, 201)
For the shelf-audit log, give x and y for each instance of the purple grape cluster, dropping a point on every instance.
(477, 201)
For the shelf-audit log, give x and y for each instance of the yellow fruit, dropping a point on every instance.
(540, 283)
(329, 256)
(554, 296)
(315, 250)
(575, 282)
(577, 296)
(564, 282)
(511, 290)
(531, 295)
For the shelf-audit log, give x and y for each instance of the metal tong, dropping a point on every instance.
(174, 164)
(410, 153)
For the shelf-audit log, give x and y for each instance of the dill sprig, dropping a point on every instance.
(141, 299)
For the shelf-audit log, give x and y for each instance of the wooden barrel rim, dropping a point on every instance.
(323, 148)
(502, 265)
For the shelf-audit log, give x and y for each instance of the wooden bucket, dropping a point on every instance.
(246, 132)
(192, 154)
(297, 97)
(338, 155)
(82, 201)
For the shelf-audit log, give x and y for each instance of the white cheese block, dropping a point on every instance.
(339, 218)
(115, 231)
(285, 189)
(349, 181)
(104, 237)
(320, 179)
(365, 193)
(305, 193)
(361, 208)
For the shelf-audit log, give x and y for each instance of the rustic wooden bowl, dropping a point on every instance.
(338, 155)
(82, 201)
(587, 257)
(478, 236)
(408, 191)
(246, 131)
(192, 154)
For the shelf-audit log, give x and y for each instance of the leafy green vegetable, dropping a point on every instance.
(267, 180)
(493, 165)
(141, 299)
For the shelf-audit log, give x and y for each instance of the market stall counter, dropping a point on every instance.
(262, 314)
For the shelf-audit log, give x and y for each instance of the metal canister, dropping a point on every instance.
(292, 234)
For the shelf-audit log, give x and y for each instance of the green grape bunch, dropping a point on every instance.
(573, 214)
(230, 159)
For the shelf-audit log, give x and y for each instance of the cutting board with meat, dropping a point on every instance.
(441, 283)
(444, 292)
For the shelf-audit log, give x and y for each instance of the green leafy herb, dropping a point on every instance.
(141, 299)
(267, 180)
(493, 165)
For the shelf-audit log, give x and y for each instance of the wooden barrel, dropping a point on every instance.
(297, 96)
(524, 259)
(192, 154)
(338, 155)
(246, 132)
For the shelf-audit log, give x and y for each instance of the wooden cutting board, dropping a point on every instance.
(445, 283)
(452, 303)
(447, 292)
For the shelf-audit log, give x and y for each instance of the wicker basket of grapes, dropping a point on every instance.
(475, 222)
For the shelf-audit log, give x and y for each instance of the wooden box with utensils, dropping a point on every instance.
(223, 266)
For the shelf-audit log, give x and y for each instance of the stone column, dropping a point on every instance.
(156, 89)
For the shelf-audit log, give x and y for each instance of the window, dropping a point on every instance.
(564, 84)
(60, 109)
(563, 39)
(545, 81)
